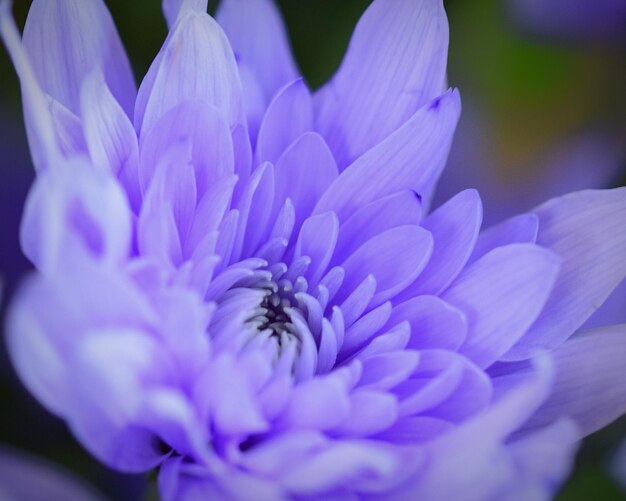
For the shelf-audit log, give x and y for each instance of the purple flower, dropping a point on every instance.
(242, 283)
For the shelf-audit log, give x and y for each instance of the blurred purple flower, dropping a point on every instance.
(244, 285)
(600, 20)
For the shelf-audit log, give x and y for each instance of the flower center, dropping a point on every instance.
(279, 301)
(273, 313)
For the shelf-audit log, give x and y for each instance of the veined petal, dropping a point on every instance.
(109, 133)
(502, 294)
(289, 115)
(195, 63)
(479, 445)
(396, 63)
(454, 227)
(167, 211)
(588, 230)
(409, 159)
(317, 240)
(398, 209)
(520, 229)
(173, 8)
(590, 384)
(259, 40)
(40, 129)
(434, 323)
(204, 129)
(66, 39)
(395, 258)
(303, 172)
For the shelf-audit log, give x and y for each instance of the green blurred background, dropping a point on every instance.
(532, 91)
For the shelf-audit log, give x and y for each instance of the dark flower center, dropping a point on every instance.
(272, 313)
(279, 301)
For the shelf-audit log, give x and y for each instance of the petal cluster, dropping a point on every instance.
(243, 283)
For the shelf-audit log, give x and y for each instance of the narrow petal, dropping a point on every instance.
(65, 40)
(109, 133)
(40, 127)
(168, 208)
(255, 216)
(259, 39)
(409, 159)
(365, 328)
(317, 240)
(588, 230)
(590, 385)
(396, 63)
(502, 294)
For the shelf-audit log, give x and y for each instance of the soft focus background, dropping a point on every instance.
(543, 84)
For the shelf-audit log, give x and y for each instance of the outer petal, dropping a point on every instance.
(66, 39)
(289, 115)
(208, 135)
(110, 432)
(398, 209)
(434, 323)
(410, 158)
(195, 63)
(396, 63)
(520, 229)
(543, 461)
(590, 384)
(180, 480)
(395, 258)
(471, 462)
(303, 173)
(502, 294)
(260, 42)
(454, 227)
(72, 212)
(41, 128)
(48, 316)
(109, 134)
(588, 230)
